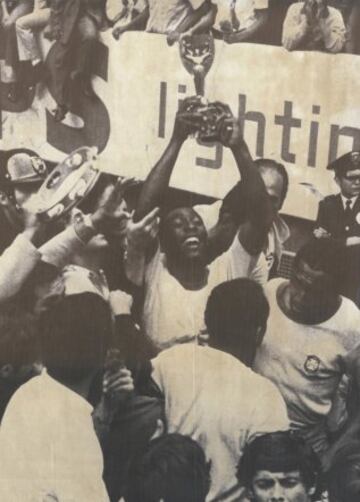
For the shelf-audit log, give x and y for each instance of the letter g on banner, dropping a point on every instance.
(96, 128)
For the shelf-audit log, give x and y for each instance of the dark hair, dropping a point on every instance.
(278, 452)
(343, 479)
(166, 241)
(75, 334)
(323, 255)
(173, 468)
(271, 164)
(233, 310)
(18, 335)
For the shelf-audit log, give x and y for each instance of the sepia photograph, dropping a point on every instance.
(179, 251)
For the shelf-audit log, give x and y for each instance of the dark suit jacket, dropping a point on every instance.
(331, 217)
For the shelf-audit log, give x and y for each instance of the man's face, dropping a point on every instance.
(274, 186)
(349, 183)
(186, 233)
(279, 487)
(308, 288)
(24, 191)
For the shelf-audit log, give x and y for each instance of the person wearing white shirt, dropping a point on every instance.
(311, 332)
(210, 392)
(179, 276)
(313, 25)
(48, 445)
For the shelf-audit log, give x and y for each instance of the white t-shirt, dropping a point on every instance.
(243, 11)
(220, 403)
(173, 314)
(305, 361)
(48, 446)
(166, 15)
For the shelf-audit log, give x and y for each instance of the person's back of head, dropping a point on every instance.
(172, 468)
(19, 343)
(236, 315)
(278, 458)
(75, 335)
(343, 478)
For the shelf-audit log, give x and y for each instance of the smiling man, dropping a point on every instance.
(180, 274)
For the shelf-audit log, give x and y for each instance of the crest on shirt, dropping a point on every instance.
(355, 158)
(312, 364)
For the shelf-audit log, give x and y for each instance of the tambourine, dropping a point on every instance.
(67, 185)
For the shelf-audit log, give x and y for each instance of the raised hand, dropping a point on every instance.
(111, 216)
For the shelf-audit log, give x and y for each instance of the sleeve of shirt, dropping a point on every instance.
(196, 4)
(239, 263)
(16, 264)
(334, 31)
(261, 4)
(270, 413)
(59, 248)
(294, 27)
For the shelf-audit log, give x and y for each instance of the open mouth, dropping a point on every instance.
(192, 242)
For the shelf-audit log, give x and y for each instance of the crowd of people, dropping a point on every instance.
(150, 352)
(74, 26)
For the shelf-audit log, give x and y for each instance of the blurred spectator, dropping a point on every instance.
(11, 11)
(344, 476)
(28, 28)
(313, 25)
(172, 468)
(278, 467)
(19, 350)
(130, 12)
(48, 443)
(310, 331)
(75, 26)
(276, 16)
(170, 17)
(240, 20)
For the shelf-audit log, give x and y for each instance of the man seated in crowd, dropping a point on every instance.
(310, 333)
(240, 20)
(314, 25)
(187, 266)
(278, 467)
(172, 468)
(170, 17)
(48, 445)
(28, 27)
(338, 220)
(211, 395)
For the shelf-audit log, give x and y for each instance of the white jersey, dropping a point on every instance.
(173, 314)
(220, 403)
(48, 446)
(306, 361)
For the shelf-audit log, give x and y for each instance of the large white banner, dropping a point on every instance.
(295, 107)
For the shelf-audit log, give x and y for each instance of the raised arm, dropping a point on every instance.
(157, 182)
(136, 24)
(248, 34)
(205, 22)
(247, 206)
